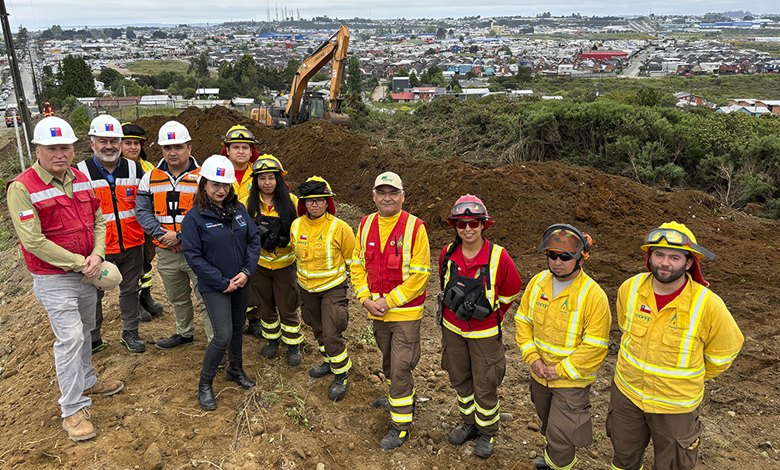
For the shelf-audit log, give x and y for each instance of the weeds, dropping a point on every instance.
(298, 412)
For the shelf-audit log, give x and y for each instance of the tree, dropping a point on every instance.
(289, 72)
(109, 76)
(22, 37)
(320, 77)
(76, 78)
(199, 66)
(159, 35)
(413, 80)
(402, 72)
(354, 75)
(441, 33)
(435, 77)
(47, 71)
(474, 49)
(56, 30)
(245, 74)
(130, 33)
(225, 69)
(524, 74)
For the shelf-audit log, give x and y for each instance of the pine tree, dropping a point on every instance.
(76, 78)
(354, 78)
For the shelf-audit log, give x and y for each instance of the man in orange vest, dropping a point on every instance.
(390, 268)
(62, 232)
(115, 182)
(165, 194)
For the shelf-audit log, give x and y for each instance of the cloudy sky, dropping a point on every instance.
(40, 14)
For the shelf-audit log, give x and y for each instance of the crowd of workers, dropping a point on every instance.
(231, 231)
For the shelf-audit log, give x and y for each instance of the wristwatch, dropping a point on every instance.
(178, 234)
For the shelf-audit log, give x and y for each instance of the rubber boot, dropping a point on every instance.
(208, 402)
(294, 355)
(255, 328)
(269, 350)
(235, 373)
(148, 303)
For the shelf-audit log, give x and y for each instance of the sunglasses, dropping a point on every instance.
(472, 223)
(554, 255)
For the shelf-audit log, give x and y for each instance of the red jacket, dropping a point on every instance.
(504, 289)
(66, 222)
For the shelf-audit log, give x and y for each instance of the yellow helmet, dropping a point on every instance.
(267, 163)
(315, 187)
(675, 236)
(238, 134)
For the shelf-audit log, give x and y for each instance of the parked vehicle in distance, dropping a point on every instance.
(9, 117)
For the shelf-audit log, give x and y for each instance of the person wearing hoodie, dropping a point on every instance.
(221, 245)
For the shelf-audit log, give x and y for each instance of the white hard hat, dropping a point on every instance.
(218, 169)
(172, 133)
(105, 125)
(52, 131)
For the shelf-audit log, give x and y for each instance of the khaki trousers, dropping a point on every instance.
(399, 342)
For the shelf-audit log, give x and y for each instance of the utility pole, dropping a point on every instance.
(17, 78)
(34, 80)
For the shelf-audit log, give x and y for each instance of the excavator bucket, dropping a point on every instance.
(337, 118)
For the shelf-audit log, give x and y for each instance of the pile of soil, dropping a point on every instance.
(288, 422)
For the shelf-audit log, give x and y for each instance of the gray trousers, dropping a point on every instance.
(177, 275)
(130, 264)
(70, 305)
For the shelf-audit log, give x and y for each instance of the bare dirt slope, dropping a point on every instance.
(287, 421)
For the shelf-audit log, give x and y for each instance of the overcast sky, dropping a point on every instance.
(40, 14)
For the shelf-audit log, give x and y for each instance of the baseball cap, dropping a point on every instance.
(390, 179)
(108, 277)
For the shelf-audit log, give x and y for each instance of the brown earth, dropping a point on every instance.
(287, 421)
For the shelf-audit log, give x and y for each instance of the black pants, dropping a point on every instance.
(227, 313)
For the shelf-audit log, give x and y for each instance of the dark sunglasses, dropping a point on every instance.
(554, 255)
(471, 223)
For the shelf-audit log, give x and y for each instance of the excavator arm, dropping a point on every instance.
(334, 48)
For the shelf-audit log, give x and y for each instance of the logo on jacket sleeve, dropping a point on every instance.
(26, 215)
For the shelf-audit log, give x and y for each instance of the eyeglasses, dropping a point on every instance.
(382, 193)
(675, 238)
(554, 255)
(471, 223)
(217, 185)
(466, 208)
(315, 201)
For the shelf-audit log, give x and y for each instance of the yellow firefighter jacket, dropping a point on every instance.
(324, 251)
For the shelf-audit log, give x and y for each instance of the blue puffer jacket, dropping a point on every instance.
(217, 251)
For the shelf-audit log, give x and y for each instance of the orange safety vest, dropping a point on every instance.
(117, 203)
(67, 222)
(173, 197)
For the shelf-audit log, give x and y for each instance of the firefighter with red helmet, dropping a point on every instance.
(563, 333)
(479, 283)
(47, 110)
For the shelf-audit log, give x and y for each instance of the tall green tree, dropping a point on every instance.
(22, 37)
(76, 78)
(289, 72)
(199, 66)
(354, 77)
(413, 80)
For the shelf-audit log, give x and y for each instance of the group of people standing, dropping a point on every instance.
(232, 230)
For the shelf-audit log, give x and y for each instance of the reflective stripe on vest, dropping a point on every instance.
(330, 271)
(160, 184)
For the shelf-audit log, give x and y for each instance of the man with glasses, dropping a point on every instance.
(390, 268)
(676, 334)
(164, 197)
(115, 182)
(563, 333)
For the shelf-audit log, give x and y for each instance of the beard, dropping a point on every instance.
(107, 157)
(666, 278)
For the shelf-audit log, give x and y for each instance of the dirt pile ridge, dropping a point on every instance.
(287, 421)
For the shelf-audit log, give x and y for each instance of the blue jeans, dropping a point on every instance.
(227, 313)
(70, 305)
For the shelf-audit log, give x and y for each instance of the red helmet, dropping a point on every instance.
(470, 207)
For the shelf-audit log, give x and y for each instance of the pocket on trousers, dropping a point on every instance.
(688, 446)
(341, 309)
(582, 433)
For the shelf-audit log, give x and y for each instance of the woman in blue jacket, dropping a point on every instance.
(222, 246)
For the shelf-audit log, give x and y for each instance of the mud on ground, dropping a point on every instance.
(287, 422)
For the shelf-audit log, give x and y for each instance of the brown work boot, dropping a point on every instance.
(104, 388)
(79, 426)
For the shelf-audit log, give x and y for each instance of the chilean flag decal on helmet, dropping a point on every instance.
(220, 171)
(56, 132)
(171, 135)
(109, 127)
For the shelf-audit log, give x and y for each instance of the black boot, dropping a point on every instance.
(235, 373)
(269, 350)
(338, 387)
(255, 328)
(147, 302)
(208, 401)
(294, 355)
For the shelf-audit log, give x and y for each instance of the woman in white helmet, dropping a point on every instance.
(216, 223)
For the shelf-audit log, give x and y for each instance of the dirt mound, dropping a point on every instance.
(286, 422)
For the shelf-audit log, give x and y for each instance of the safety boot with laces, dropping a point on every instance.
(462, 434)
(269, 350)
(484, 446)
(320, 371)
(148, 303)
(339, 387)
(104, 388)
(79, 426)
(394, 439)
(132, 341)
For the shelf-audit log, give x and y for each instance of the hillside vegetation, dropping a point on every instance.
(736, 157)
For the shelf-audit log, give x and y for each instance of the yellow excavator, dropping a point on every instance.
(304, 106)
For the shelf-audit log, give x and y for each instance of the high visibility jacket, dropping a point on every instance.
(323, 248)
(172, 197)
(504, 287)
(117, 202)
(666, 356)
(570, 331)
(392, 259)
(146, 165)
(67, 222)
(282, 256)
(243, 187)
